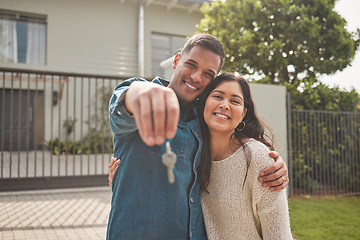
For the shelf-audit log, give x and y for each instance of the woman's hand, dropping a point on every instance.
(112, 167)
(276, 175)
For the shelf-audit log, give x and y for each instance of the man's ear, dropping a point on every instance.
(176, 60)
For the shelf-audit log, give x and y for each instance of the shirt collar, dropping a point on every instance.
(186, 114)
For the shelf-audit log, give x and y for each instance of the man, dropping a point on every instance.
(142, 116)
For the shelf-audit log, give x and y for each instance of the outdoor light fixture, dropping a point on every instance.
(55, 98)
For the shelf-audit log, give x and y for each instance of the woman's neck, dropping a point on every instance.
(222, 145)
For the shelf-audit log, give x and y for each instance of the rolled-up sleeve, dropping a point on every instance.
(121, 121)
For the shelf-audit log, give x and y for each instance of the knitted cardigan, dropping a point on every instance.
(234, 209)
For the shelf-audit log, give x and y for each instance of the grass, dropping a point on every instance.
(328, 218)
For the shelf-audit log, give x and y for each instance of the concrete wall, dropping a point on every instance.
(270, 103)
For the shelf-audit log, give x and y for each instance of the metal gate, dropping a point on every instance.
(54, 129)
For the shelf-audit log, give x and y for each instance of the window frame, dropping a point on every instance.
(29, 18)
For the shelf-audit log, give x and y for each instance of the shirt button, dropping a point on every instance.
(118, 112)
(191, 200)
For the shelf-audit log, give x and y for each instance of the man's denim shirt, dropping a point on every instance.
(144, 204)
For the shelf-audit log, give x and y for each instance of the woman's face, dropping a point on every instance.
(224, 107)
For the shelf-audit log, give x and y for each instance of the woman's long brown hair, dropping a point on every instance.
(254, 126)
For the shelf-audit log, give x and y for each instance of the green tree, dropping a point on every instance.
(293, 42)
(281, 41)
(319, 96)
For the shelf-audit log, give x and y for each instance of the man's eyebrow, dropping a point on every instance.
(210, 70)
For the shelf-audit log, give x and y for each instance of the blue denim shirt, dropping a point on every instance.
(144, 205)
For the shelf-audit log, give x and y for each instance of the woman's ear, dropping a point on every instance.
(244, 113)
(176, 60)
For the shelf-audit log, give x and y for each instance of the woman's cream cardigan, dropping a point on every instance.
(236, 210)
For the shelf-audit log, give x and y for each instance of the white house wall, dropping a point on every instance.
(174, 22)
(100, 37)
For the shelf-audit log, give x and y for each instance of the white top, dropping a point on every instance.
(234, 211)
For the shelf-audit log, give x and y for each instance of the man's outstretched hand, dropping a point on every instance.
(156, 111)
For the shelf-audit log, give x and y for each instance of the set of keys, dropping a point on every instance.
(169, 160)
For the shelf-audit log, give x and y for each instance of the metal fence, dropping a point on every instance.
(54, 129)
(324, 152)
(54, 132)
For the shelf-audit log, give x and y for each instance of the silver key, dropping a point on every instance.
(169, 160)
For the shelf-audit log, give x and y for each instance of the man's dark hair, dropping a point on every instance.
(206, 41)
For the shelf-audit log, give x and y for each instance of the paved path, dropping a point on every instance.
(78, 213)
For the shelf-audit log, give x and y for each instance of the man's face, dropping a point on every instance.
(193, 72)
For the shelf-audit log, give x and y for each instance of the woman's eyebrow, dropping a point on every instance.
(238, 96)
(233, 95)
(217, 91)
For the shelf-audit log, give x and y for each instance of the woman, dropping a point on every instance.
(235, 150)
(235, 205)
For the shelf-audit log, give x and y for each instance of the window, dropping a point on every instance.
(164, 46)
(22, 37)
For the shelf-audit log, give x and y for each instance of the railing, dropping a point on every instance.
(324, 153)
(54, 129)
(54, 132)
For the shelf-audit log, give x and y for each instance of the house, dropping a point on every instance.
(60, 60)
(118, 38)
